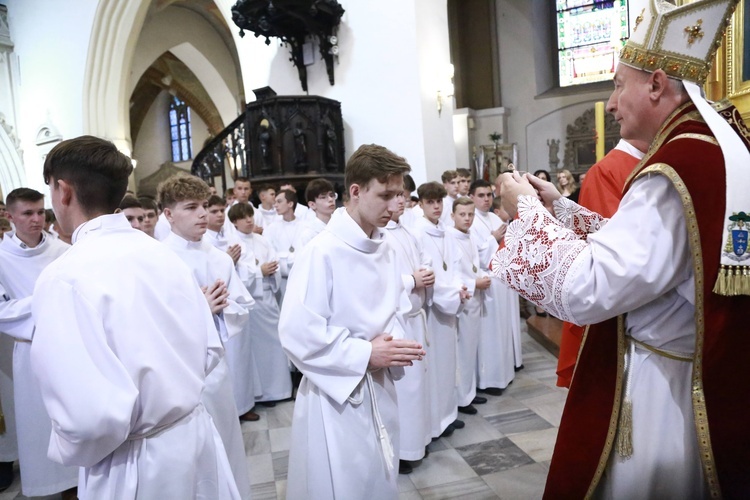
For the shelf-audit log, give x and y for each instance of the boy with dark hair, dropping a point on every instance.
(301, 211)
(464, 179)
(133, 210)
(450, 183)
(185, 202)
(348, 346)
(216, 233)
(150, 214)
(442, 309)
(285, 235)
(265, 214)
(321, 199)
(500, 335)
(24, 254)
(263, 348)
(123, 389)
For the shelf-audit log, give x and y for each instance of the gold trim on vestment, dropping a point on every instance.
(698, 395)
(614, 419)
(699, 137)
(580, 349)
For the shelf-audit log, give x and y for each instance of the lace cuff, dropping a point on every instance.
(538, 254)
(578, 219)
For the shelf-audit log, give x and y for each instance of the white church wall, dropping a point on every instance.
(386, 78)
(532, 120)
(51, 44)
(195, 42)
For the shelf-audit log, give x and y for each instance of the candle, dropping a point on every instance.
(599, 115)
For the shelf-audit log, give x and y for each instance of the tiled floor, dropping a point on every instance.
(503, 452)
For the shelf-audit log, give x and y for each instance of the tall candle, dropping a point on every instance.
(599, 115)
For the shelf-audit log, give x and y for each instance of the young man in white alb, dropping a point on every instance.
(469, 319)
(349, 347)
(301, 212)
(24, 254)
(185, 202)
(216, 233)
(150, 215)
(450, 183)
(265, 213)
(413, 389)
(446, 302)
(123, 342)
(263, 282)
(464, 181)
(285, 235)
(501, 321)
(321, 199)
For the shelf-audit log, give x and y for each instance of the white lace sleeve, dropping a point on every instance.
(577, 218)
(537, 255)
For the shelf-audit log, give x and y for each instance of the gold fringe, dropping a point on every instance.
(625, 430)
(732, 281)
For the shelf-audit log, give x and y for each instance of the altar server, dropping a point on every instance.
(413, 389)
(122, 345)
(285, 235)
(442, 309)
(23, 256)
(263, 348)
(340, 327)
(501, 323)
(185, 202)
(321, 199)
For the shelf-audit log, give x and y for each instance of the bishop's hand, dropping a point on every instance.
(547, 191)
(511, 185)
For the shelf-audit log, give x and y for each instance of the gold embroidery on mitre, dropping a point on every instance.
(694, 32)
(639, 19)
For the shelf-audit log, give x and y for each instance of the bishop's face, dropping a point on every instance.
(630, 102)
(189, 218)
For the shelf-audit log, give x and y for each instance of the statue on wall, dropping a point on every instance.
(554, 149)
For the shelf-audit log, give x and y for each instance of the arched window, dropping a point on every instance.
(179, 127)
(590, 34)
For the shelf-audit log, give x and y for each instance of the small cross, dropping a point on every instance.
(694, 32)
(638, 20)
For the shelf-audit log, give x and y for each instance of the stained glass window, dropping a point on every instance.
(179, 128)
(590, 34)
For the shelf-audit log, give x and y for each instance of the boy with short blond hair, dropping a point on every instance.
(469, 319)
(184, 199)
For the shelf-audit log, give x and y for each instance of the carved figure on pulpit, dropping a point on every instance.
(300, 147)
(264, 141)
(331, 148)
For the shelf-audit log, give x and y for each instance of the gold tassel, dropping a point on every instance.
(625, 430)
(732, 281)
(720, 287)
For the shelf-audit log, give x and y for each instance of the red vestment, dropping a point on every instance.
(720, 396)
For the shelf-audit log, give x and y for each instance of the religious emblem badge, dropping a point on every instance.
(291, 248)
(737, 237)
(445, 266)
(474, 268)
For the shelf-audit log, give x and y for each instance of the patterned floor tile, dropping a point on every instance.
(441, 467)
(492, 456)
(523, 483)
(469, 489)
(518, 421)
